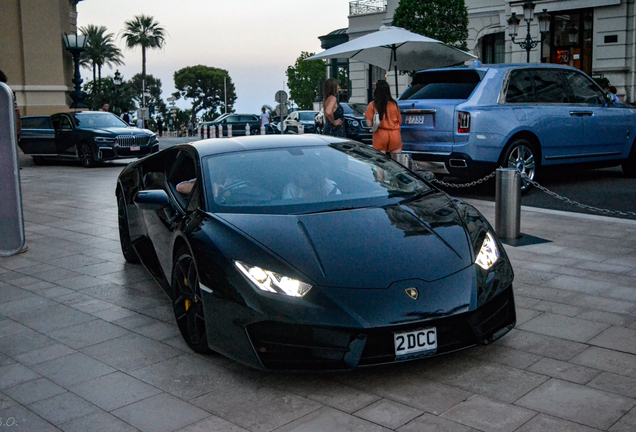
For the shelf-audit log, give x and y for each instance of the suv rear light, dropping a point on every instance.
(463, 122)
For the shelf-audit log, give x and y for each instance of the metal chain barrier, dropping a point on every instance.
(463, 185)
(576, 203)
(542, 189)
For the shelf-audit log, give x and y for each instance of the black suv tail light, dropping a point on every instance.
(463, 122)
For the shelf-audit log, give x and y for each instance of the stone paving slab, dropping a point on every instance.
(88, 341)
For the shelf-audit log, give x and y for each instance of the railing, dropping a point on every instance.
(361, 7)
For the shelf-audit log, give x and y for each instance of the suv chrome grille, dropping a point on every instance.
(132, 140)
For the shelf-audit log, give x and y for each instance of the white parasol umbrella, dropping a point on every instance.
(398, 49)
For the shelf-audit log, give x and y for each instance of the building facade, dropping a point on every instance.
(596, 36)
(32, 54)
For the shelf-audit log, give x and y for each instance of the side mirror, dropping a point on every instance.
(151, 199)
(425, 174)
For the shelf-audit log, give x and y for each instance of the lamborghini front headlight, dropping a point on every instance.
(273, 282)
(488, 254)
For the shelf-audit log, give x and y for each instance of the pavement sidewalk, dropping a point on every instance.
(88, 341)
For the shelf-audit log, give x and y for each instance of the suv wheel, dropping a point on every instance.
(86, 155)
(522, 156)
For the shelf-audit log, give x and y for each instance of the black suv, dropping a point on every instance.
(90, 136)
(238, 123)
(355, 124)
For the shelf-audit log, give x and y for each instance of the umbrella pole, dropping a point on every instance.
(395, 69)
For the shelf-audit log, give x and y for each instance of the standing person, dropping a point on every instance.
(613, 97)
(105, 107)
(126, 117)
(160, 126)
(387, 138)
(190, 128)
(265, 119)
(334, 114)
(18, 120)
(140, 123)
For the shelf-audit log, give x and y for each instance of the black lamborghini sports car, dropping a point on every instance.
(311, 252)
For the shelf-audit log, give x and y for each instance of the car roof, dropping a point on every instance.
(504, 66)
(259, 142)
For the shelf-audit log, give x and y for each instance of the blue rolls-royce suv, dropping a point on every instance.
(465, 122)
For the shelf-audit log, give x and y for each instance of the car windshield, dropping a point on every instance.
(307, 115)
(299, 180)
(455, 84)
(355, 109)
(99, 121)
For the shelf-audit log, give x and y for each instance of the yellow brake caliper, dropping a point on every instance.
(187, 302)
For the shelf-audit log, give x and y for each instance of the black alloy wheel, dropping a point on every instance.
(86, 155)
(187, 302)
(522, 156)
(130, 255)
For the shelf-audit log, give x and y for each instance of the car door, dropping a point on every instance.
(291, 123)
(555, 120)
(605, 128)
(38, 136)
(65, 134)
(161, 225)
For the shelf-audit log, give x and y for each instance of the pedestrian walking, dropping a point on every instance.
(387, 137)
(334, 113)
(265, 119)
(160, 126)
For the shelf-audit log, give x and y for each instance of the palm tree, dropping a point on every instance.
(100, 50)
(143, 31)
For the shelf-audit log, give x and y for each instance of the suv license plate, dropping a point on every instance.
(415, 341)
(135, 148)
(414, 119)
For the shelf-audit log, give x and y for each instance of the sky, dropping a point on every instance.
(254, 40)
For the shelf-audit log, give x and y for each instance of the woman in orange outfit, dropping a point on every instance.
(387, 138)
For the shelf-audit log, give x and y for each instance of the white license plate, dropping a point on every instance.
(414, 119)
(415, 341)
(135, 148)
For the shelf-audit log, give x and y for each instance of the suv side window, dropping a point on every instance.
(549, 86)
(585, 91)
(520, 88)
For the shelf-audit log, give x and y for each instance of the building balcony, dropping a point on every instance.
(362, 7)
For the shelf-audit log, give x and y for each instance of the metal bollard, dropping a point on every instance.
(247, 129)
(229, 131)
(212, 133)
(263, 131)
(301, 129)
(403, 159)
(508, 203)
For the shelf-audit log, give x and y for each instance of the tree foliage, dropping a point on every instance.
(120, 98)
(304, 79)
(154, 102)
(204, 86)
(100, 51)
(444, 20)
(145, 32)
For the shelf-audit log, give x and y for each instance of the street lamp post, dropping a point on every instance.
(117, 81)
(528, 16)
(75, 44)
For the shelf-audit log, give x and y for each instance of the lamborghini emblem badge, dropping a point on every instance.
(412, 292)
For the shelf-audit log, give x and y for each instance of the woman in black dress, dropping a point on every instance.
(334, 114)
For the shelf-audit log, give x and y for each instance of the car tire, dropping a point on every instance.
(85, 155)
(187, 302)
(629, 165)
(127, 249)
(38, 160)
(522, 155)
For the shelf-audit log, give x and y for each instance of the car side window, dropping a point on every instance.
(520, 88)
(62, 123)
(232, 119)
(584, 89)
(549, 86)
(182, 170)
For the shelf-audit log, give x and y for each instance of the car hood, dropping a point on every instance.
(369, 247)
(123, 131)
